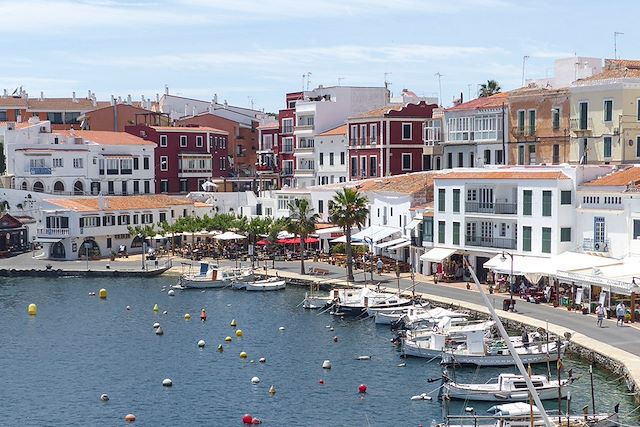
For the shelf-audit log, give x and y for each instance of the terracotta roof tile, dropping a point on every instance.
(379, 112)
(64, 104)
(618, 178)
(12, 102)
(616, 69)
(105, 137)
(189, 129)
(340, 130)
(512, 175)
(482, 103)
(119, 203)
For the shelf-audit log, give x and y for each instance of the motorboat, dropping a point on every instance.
(356, 302)
(417, 318)
(212, 276)
(443, 337)
(272, 284)
(389, 315)
(508, 388)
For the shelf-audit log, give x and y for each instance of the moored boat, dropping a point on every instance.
(212, 276)
(356, 302)
(272, 284)
(507, 388)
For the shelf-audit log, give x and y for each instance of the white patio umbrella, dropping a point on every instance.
(229, 235)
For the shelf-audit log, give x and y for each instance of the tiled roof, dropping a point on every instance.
(493, 101)
(64, 104)
(407, 184)
(13, 102)
(618, 178)
(511, 175)
(105, 137)
(340, 130)
(616, 69)
(19, 125)
(188, 129)
(119, 203)
(379, 112)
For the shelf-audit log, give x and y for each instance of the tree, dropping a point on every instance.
(491, 87)
(143, 231)
(166, 229)
(349, 209)
(302, 222)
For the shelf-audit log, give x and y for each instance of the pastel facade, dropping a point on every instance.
(330, 156)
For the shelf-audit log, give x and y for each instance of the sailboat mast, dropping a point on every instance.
(509, 344)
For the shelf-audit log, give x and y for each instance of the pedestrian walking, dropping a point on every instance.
(379, 264)
(600, 314)
(620, 312)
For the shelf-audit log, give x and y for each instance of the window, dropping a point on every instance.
(110, 187)
(183, 186)
(441, 199)
(373, 133)
(471, 159)
(521, 154)
(532, 122)
(460, 160)
(636, 228)
(287, 125)
(199, 141)
(427, 229)
(287, 145)
(487, 157)
(584, 111)
(354, 166)
(607, 146)
(136, 163)
(472, 195)
(565, 234)
(126, 166)
(164, 186)
(456, 233)
(499, 159)
(406, 131)
(565, 197)
(320, 206)
(57, 163)
(163, 216)
(163, 140)
(183, 140)
(459, 128)
(342, 158)
(145, 163)
(521, 115)
(546, 240)
(449, 160)
(441, 228)
(136, 187)
(638, 109)
(363, 166)
(146, 218)
(373, 166)
(77, 163)
(108, 220)
(456, 200)
(526, 239)
(123, 220)
(608, 110)
(532, 154)
(556, 154)
(164, 163)
(321, 161)
(330, 159)
(555, 118)
(526, 202)
(147, 187)
(487, 127)
(223, 163)
(638, 146)
(406, 161)
(55, 118)
(363, 134)
(546, 203)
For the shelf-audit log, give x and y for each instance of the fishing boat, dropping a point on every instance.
(313, 300)
(433, 343)
(355, 302)
(272, 284)
(212, 276)
(419, 318)
(508, 388)
(389, 315)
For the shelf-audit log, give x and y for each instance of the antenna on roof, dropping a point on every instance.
(340, 79)
(387, 83)
(439, 76)
(251, 101)
(615, 43)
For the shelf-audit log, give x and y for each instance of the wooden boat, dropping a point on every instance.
(272, 284)
(355, 302)
(212, 276)
(508, 388)
(315, 301)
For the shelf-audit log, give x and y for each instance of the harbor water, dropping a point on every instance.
(56, 364)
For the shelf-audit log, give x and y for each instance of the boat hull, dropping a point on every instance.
(265, 285)
(499, 360)
(545, 393)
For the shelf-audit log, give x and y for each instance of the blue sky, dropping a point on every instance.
(258, 50)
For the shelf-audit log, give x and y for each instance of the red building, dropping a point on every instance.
(388, 140)
(186, 156)
(286, 145)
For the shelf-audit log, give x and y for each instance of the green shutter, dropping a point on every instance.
(565, 197)
(456, 200)
(526, 239)
(456, 233)
(428, 229)
(546, 240)
(441, 200)
(565, 234)
(526, 202)
(546, 203)
(607, 146)
(440, 231)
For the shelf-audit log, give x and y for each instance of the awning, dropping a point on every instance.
(49, 239)
(399, 245)
(437, 254)
(414, 223)
(343, 239)
(375, 233)
(390, 243)
(522, 265)
(570, 261)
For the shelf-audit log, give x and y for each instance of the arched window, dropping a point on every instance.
(78, 188)
(58, 187)
(93, 248)
(38, 187)
(57, 250)
(24, 186)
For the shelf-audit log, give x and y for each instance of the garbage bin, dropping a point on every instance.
(565, 301)
(506, 304)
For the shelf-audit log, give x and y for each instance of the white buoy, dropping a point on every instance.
(128, 307)
(326, 364)
(402, 365)
(104, 397)
(422, 396)
(156, 325)
(159, 331)
(167, 382)
(416, 397)
(331, 329)
(262, 360)
(363, 357)
(171, 292)
(328, 326)
(281, 328)
(255, 380)
(201, 343)
(165, 312)
(92, 294)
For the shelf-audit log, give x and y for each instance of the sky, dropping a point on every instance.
(253, 52)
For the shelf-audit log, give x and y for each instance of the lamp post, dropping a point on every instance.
(398, 275)
(632, 308)
(503, 258)
(369, 241)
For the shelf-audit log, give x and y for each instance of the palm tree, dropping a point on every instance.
(349, 209)
(302, 221)
(491, 87)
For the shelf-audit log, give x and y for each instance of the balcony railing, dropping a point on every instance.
(491, 242)
(287, 129)
(53, 232)
(305, 144)
(492, 208)
(595, 245)
(40, 171)
(304, 127)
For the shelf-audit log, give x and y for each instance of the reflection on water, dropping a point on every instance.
(56, 365)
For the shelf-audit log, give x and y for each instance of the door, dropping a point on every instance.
(481, 272)
(57, 251)
(486, 200)
(486, 233)
(599, 233)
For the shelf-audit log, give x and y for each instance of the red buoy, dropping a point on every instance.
(247, 419)
(129, 418)
(203, 315)
(321, 381)
(362, 388)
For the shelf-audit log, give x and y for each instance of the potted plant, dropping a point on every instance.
(113, 256)
(48, 266)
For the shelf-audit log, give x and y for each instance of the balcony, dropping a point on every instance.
(491, 242)
(287, 129)
(524, 133)
(40, 171)
(591, 245)
(301, 128)
(581, 127)
(492, 208)
(263, 169)
(287, 172)
(53, 232)
(305, 144)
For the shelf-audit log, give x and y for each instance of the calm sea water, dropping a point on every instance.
(55, 365)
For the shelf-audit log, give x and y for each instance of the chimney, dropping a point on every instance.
(215, 98)
(4, 93)
(113, 100)
(73, 97)
(185, 110)
(41, 96)
(225, 104)
(166, 89)
(193, 110)
(210, 108)
(94, 102)
(142, 103)
(157, 97)
(89, 94)
(119, 99)
(129, 99)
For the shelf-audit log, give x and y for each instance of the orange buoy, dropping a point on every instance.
(129, 418)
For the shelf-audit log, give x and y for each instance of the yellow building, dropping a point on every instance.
(605, 115)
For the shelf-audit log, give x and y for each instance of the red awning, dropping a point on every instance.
(296, 241)
(262, 242)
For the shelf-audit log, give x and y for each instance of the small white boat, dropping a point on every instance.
(212, 276)
(272, 284)
(356, 302)
(475, 352)
(507, 388)
(389, 315)
(315, 301)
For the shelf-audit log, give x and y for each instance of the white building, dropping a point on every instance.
(77, 162)
(331, 156)
(178, 107)
(100, 224)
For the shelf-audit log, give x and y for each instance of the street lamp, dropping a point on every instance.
(398, 275)
(369, 241)
(503, 258)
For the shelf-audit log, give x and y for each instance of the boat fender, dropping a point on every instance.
(171, 292)
(201, 343)
(255, 380)
(167, 382)
(326, 364)
(159, 331)
(281, 328)
(262, 360)
(363, 358)
(156, 325)
(104, 397)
